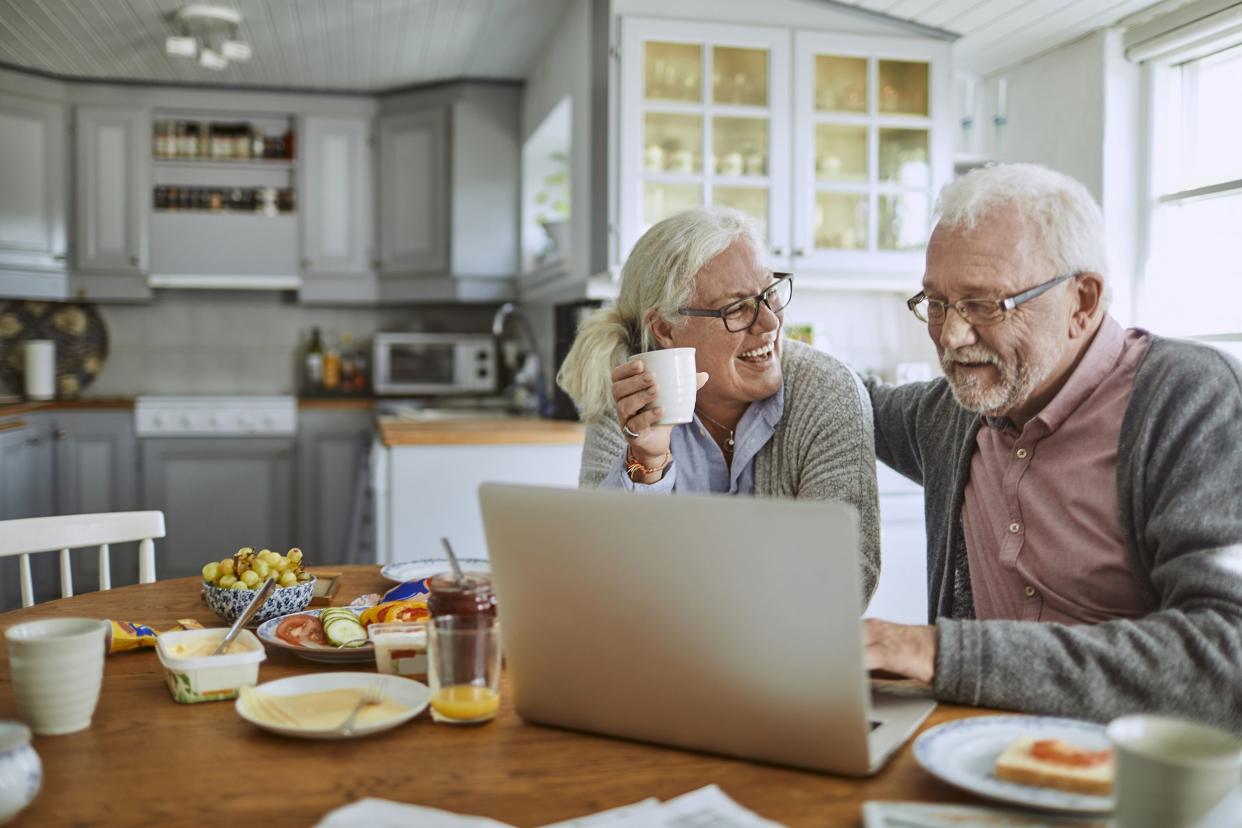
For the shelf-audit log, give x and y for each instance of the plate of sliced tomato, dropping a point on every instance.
(302, 633)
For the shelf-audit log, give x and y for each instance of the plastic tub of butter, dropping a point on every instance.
(194, 675)
(400, 648)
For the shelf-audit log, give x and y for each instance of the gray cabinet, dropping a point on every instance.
(217, 496)
(332, 448)
(32, 198)
(414, 195)
(26, 491)
(111, 189)
(336, 202)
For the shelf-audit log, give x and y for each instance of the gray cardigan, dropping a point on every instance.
(1179, 495)
(822, 448)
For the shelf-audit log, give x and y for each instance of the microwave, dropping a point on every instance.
(414, 364)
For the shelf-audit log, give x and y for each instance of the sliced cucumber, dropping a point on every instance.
(342, 628)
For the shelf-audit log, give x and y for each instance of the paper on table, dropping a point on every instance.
(928, 815)
(707, 807)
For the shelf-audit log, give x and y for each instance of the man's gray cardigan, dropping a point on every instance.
(822, 448)
(1179, 496)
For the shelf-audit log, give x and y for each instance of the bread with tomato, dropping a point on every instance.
(1053, 763)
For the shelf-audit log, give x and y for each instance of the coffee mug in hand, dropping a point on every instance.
(676, 382)
(57, 668)
(1171, 772)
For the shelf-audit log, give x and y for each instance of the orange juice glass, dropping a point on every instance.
(463, 668)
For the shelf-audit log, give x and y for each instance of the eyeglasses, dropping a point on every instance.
(978, 313)
(742, 314)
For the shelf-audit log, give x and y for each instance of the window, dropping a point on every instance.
(1192, 283)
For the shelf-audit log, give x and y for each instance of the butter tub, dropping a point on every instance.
(193, 676)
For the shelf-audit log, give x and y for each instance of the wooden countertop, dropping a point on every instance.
(476, 432)
(31, 406)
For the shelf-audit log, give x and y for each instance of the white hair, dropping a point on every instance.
(660, 273)
(1065, 222)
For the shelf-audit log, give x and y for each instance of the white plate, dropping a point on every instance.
(963, 753)
(323, 653)
(412, 694)
(403, 571)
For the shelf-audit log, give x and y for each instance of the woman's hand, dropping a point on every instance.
(634, 390)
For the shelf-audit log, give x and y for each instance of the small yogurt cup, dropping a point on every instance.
(208, 677)
(400, 648)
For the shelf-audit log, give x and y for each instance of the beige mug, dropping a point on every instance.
(1170, 772)
(57, 668)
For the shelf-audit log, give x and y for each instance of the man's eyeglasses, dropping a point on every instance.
(742, 314)
(978, 313)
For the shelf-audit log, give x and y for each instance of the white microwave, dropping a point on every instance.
(414, 364)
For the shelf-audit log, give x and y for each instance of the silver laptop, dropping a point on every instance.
(721, 624)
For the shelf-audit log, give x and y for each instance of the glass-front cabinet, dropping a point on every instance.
(835, 144)
(705, 121)
(872, 146)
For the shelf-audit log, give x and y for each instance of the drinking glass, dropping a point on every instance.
(463, 668)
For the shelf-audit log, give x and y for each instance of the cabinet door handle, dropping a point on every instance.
(58, 257)
(34, 441)
(778, 251)
(61, 434)
(799, 252)
(135, 260)
(306, 263)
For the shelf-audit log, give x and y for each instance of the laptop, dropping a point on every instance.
(727, 625)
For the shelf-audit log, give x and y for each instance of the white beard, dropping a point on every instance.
(1016, 384)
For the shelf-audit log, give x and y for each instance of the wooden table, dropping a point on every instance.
(148, 760)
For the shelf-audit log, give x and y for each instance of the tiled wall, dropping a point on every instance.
(241, 343)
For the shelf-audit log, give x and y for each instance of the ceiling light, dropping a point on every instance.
(237, 50)
(210, 59)
(180, 46)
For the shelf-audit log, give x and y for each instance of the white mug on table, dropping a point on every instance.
(57, 668)
(676, 382)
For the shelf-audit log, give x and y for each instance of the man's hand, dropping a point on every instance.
(900, 649)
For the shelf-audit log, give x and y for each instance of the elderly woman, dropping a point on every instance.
(773, 417)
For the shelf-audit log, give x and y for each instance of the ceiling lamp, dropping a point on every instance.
(209, 33)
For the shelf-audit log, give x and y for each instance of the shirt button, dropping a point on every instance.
(702, 432)
(1015, 528)
(1022, 454)
(1031, 591)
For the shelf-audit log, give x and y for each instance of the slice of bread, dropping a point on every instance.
(1051, 763)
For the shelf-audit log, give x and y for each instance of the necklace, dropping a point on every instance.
(728, 446)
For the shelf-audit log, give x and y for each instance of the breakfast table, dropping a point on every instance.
(149, 760)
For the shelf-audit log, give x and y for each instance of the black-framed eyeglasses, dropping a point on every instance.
(742, 314)
(978, 313)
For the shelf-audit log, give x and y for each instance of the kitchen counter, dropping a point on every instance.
(31, 406)
(476, 431)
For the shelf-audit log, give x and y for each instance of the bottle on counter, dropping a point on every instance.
(314, 362)
(331, 365)
(348, 366)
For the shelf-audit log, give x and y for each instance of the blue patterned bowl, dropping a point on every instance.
(229, 603)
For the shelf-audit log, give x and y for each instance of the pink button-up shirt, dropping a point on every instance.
(1040, 512)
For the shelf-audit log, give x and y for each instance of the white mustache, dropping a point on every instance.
(971, 353)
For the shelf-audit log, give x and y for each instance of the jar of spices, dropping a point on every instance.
(472, 596)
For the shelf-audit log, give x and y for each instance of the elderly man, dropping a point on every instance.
(1083, 483)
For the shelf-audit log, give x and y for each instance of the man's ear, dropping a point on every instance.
(1087, 303)
(661, 330)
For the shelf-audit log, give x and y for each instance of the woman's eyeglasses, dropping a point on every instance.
(742, 314)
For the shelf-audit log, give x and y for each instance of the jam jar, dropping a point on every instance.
(472, 596)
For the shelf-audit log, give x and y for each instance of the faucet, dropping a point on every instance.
(529, 376)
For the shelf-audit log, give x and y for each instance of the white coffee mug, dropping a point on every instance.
(57, 669)
(1170, 772)
(676, 382)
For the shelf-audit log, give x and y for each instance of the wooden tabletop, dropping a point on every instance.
(149, 760)
(480, 431)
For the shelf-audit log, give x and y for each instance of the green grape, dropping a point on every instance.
(226, 566)
(294, 555)
(211, 571)
(261, 569)
(226, 581)
(280, 564)
(250, 578)
(239, 585)
(304, 576)
(288, 579)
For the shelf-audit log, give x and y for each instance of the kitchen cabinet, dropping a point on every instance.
(335, 177)
(902, 592)
(111, 190)
(26, 491)
(449, 169)
(332, 484)
(217, 495)
(32, 209)
(835, 144)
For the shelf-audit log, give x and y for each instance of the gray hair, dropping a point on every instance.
(1064, 219)
(660, 273)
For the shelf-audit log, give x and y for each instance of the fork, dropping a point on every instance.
(372, 694)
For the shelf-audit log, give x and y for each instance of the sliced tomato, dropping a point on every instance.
(408, 613)
(1057, 752)
(301, 629)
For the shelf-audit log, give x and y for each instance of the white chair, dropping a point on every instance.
(28, 536)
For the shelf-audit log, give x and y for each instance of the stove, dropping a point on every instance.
(195, 416)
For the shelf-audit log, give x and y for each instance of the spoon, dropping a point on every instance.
(457, 573)
(259, 599)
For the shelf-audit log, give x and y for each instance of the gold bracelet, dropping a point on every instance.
(633, 465)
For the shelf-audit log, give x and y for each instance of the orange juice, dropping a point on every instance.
(466, 702)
